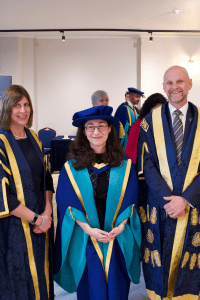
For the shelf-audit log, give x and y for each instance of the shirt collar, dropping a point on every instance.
(183, 109)
(130, 104)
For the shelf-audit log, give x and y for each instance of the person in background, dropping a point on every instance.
(152, 102)
(25, 204)
(98, 233)
(127, 112)
(100, 98)
(126, 96)
(168, 161)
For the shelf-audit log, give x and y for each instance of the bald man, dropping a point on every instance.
(169, 196)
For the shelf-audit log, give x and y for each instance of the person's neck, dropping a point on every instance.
(178, 105)
(17, 131)
(99, 149)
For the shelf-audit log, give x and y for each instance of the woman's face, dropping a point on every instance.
(97, 132)
(102, 101)
(20, 113)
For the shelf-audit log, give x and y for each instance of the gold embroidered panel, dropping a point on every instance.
(144, 125)
(196, 240)
(150, 237)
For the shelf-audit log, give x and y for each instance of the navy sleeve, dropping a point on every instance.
(122, 114)
(192, 193)
(13, 202)
(49, 182)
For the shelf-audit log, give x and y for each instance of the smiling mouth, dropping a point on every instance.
(174, 93)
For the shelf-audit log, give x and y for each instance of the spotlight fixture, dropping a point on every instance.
(190, 61)
(63, 37)
(151, 38)
(176, 11)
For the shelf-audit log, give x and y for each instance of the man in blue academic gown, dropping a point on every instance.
(128, 112)
(169, 205)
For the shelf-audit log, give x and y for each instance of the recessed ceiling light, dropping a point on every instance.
(176, 11)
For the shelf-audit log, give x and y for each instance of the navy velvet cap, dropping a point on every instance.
(102, 112)
(135, 91)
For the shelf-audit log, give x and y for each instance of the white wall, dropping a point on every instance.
(61, 77)
(164, 52)
(10, 59)
(69, 72)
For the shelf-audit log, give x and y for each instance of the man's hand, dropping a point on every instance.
(176, 206)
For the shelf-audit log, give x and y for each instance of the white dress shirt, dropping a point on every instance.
(182, 116)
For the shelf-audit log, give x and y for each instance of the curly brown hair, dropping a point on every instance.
(84, 156)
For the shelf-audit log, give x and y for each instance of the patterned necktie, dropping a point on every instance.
(178, 134)
(134, 112)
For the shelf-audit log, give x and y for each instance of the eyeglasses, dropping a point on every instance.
(100, 128)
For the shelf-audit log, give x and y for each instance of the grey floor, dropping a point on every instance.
(137, 292)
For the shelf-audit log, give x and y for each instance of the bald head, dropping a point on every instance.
(176, 69)
(177, 85)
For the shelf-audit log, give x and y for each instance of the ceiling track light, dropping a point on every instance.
(63, 36)
(151, 37)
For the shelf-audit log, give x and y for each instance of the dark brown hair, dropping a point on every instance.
(150, 103)
(10, 96)
(85, 156)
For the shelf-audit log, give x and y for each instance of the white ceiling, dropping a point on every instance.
(117, 14)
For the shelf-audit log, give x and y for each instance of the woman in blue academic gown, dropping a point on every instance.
(98, 232)
(25, 204)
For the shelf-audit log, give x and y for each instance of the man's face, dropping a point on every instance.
(134, 98)
(177, 85)
(127, 97)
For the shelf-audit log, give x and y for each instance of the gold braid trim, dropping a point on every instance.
(46, 261)
(78, 193)
(124, 185)
(4, 213)
(144, 146)
(165, 172)
(25, 225)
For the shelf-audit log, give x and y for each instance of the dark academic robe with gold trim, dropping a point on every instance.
(97, 271)
(126, 116)
(24, 255)
(170, 247)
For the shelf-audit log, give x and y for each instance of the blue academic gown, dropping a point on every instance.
(125, 115)
(97, 271)
(170, 247)
(24, 255)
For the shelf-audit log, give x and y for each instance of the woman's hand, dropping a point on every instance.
(117, 230)
(39, 221)
(100, 235)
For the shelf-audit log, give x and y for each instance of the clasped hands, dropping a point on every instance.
(103, 236)
(176, 206)
(46, 226)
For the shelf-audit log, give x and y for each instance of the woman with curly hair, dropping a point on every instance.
(98, 233)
